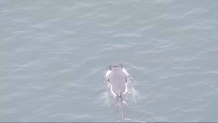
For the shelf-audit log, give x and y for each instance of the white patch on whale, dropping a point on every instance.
(111, 89)
(126, 90)
(107, 74)
(125, 71)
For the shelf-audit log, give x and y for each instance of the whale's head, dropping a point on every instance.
(115, 66)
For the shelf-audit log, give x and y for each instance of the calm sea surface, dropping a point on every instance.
(54, 54)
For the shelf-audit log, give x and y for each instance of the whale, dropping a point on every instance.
(117, 80)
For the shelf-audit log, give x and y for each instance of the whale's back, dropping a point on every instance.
(117, 79)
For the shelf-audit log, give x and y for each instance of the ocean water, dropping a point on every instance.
(54, 54)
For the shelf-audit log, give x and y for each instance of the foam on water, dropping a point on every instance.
(107, 99)
(135, 94)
